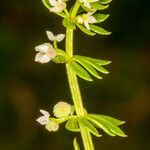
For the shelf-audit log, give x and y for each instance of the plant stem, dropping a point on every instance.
(75, 91)
(74, 86)
(75, 9)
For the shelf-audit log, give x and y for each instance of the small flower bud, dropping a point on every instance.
(62, 109)
(52, 126)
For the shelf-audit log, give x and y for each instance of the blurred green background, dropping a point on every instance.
(26, 86)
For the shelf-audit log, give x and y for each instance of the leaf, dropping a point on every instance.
(46, 4)
(113, 127)
(104, 1)
(87, 66)
(95, 65)
(85, 123)
(72, 125)
(98, 6)
(76, 145)
(113, 120)
(86, 8)
(100, 17)
(99, 68)
(100, 125)
(99, 30)
(80, 71)
(97, 61)
(69, 24)
(60, 57)
(85, 30)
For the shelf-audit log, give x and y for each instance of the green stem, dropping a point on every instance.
(55, 44)
(66, 12)
(74, 85)
(75, 9)
(75, 91)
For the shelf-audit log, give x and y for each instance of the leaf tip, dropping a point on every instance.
(109, 33)
(99, 135)
(90, 80)
(99, 77)
(124, 135)
(109, 62)
(123, 122)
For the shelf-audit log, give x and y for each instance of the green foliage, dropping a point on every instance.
(98, 6)
(86, 9)
(68, 23)
(100, 17)
(104, 1)
(91, 65)
(108, 124)
(87, 67)
(80, 71)
(76, 145)
(99, 30)
(86, 124)
(94, 60)
(85, 30)
(61, 57)
(72, 125)
(46, 4)
(111, 119)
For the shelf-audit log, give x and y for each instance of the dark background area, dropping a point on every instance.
(26, 86)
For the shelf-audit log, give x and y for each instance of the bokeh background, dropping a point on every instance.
(26, 86)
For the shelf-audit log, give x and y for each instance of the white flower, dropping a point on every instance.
(57, 6)
(86, 3)
(52, 37)
(46, 52)
(43, 120)
(86, 19)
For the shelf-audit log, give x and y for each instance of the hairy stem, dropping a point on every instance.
(75, 91)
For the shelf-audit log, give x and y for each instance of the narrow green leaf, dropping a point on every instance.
(98, 6)
(46, 4)
(100, 17)
(86, 8)
(113, 127)
(85, 123)
(87, 66)
(99, 68)
(80, 71)
(100, 125)
(105, 1)
(99, 30)
(95, 65)
(76, 145)
(113, 120)
(85, 30)
(98, 61)
(72, 125)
